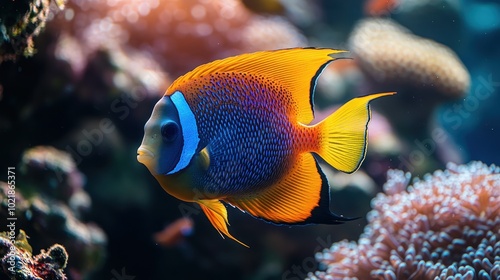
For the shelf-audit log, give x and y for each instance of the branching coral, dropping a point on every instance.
(17, 261)
(445, 226)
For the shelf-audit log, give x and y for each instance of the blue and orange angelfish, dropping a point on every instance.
(238, 131)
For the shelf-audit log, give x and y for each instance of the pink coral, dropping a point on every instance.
(445, 226)
(180, 34)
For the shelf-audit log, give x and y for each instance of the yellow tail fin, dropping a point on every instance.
(343, 134)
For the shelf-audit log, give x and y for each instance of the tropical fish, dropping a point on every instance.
(238, 130)
(264, 6)
(380, 7)
(175, 233)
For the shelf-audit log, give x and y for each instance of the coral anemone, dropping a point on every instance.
(446, 226)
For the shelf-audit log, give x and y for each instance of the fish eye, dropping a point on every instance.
(169, 131)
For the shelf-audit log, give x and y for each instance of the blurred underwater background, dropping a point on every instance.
(79, 79)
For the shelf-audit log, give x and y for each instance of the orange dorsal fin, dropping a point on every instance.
(295, 69)
(217, 215)
(300, 197)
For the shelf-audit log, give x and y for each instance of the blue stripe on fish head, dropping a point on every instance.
(189, 131)
(170, 136)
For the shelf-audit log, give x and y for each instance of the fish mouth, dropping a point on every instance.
(144, 154)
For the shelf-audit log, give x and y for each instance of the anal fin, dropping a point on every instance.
(217, 215)
(301, 197)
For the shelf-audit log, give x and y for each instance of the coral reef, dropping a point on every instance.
(98, 67)
(391, 55)
(425, 74)
(50, 202)
(52, 172)
(85, 242)
(113, 83)
(446, 225)
(179, 34)
(20, 22)
(17, 261)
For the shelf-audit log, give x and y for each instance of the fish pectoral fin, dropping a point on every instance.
(302, 196)
(204, 158)
(217, 215)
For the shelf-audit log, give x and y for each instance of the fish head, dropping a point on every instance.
(163, 141)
